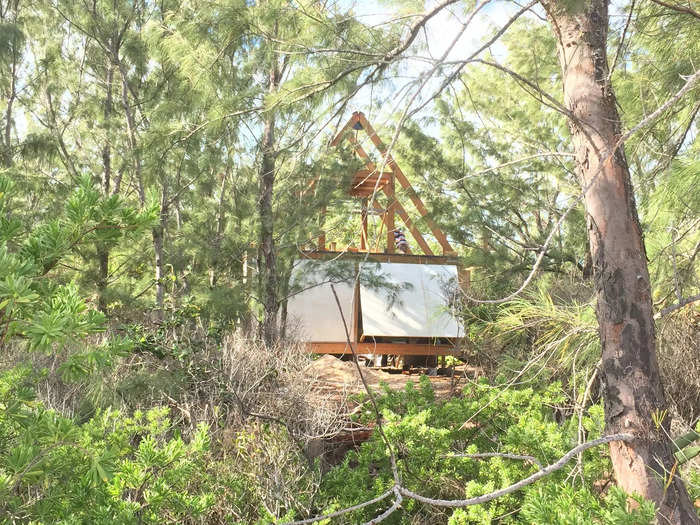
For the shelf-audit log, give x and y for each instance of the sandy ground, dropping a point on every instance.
(331, 375)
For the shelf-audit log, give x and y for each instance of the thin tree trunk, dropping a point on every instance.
(158, 233)
(634, 397)
(131, 128)
(7, 146)
(267, 241)
(220, 222)
(102, 250)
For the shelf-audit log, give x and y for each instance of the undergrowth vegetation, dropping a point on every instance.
(180, 422)
(431, 436)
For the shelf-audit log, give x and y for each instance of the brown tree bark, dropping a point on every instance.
(268, 265)
(634, 397)
(267, 241)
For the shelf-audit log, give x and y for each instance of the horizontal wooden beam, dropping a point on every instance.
(383, 348)
(382, 257)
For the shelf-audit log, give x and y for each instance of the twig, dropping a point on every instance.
(622, 42)
(377, 413)
(343, 511)
(480, 455)
(677, 306)
(678, 8)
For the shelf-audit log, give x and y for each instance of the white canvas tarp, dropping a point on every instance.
(415, 306)
(312, 314)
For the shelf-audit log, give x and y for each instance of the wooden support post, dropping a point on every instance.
(363, 233)
(322, 236)
(389, 216)
(355, 328)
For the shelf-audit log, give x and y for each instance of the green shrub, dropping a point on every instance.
(427, 434)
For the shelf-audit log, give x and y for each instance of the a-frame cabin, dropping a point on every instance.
(418, 321)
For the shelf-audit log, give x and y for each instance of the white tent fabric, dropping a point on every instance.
(419, 308)
(312, 314)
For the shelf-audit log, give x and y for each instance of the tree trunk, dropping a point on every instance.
(158, 234)
(267, 241)
(102, 250)
(218, 237)
(634, 397)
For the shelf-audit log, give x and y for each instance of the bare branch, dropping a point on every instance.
(689, 84)
(679, 8)
(622, 42)
(677, 306)
(377, 413)
(476, 53)
(388, 512)
(478, 500)
(344, 511)
(520, 484)
(517, 161)
(415, 29)
(483, 455)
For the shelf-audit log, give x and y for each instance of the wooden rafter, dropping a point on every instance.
(437, 232)
(368, 181)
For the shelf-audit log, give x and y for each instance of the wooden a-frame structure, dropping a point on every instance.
(366, 183)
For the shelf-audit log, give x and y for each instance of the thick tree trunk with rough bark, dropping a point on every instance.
(634, 397)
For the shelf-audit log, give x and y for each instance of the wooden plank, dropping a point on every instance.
(383, 348)
(439, 235)
(383, 257)
(464, 278)
(412, 228)
(389, 217)
(363, 233)
(355, 328)
(353, 120)
(367, 173)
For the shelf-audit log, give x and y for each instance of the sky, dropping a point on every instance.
(439, 34)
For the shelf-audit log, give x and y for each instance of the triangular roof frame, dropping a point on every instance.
(367, 181)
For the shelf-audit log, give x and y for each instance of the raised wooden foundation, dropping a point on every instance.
(384, 348)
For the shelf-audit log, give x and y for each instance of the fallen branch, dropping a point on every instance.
(478, 500)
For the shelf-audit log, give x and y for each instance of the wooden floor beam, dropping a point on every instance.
(383, 348)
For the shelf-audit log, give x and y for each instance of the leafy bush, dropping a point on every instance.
(427, 435)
